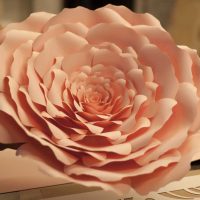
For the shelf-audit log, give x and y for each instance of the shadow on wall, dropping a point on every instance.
(185, 23)
(18, 10)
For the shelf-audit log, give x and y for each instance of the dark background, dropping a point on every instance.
(93, 4)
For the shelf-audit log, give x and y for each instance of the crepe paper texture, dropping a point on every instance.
(100, 98)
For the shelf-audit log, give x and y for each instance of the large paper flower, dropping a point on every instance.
(101, 98)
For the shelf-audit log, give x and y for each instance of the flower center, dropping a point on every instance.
(91, 86)
(93, 96)
(99, 88)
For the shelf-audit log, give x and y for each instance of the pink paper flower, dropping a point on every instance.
(101, 98)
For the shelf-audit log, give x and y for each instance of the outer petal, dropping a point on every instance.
(176, 129)
(19, 65)
(135, 18)
(196, 74)
(52, 167)
(84, 16)
(58, 29)
(178, 57)
(34, 22)
(126, 36)
(66, 43)
(162, 68)
(145, 184)
(12, 41)
(10, 132)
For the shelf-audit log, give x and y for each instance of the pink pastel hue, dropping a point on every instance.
(100, 98)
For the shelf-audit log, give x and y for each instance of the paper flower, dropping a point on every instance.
(100, 98)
